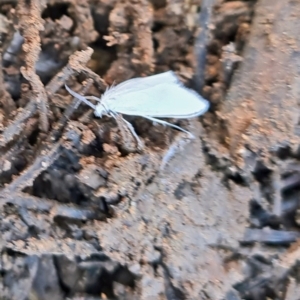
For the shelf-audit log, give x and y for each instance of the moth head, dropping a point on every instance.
(100, 110)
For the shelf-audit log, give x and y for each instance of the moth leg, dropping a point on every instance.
(178, 145)
(169, 124)
(93, 98)
(140, 144)
(127, 131)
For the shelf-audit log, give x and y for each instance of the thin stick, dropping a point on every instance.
(202, 41)
(81, 57)
(17, 126)
(56, 133)
(31, 23)
(40, 164)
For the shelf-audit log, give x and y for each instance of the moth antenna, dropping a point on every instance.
(81, 98)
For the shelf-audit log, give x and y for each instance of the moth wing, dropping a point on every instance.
(141, 83)
(162, 101)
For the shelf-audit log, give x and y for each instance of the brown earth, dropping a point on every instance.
(85, 214)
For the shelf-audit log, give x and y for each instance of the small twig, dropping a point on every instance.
(29, 202)
(277, 209)
(202, 41)
(17, 148)
(18, 124)
(31, 23)
(270, 236)
(9, 1)
(75, 65)
(5, 98)
(56, 134)
(40, 164)
(12, 47)
(143, 49)
(25, 201)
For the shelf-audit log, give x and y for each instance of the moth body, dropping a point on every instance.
(162, 96)
(156, 96)
(101, 110)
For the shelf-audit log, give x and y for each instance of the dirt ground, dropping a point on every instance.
(86, 214)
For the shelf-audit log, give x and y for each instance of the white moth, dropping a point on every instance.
(156, 96)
